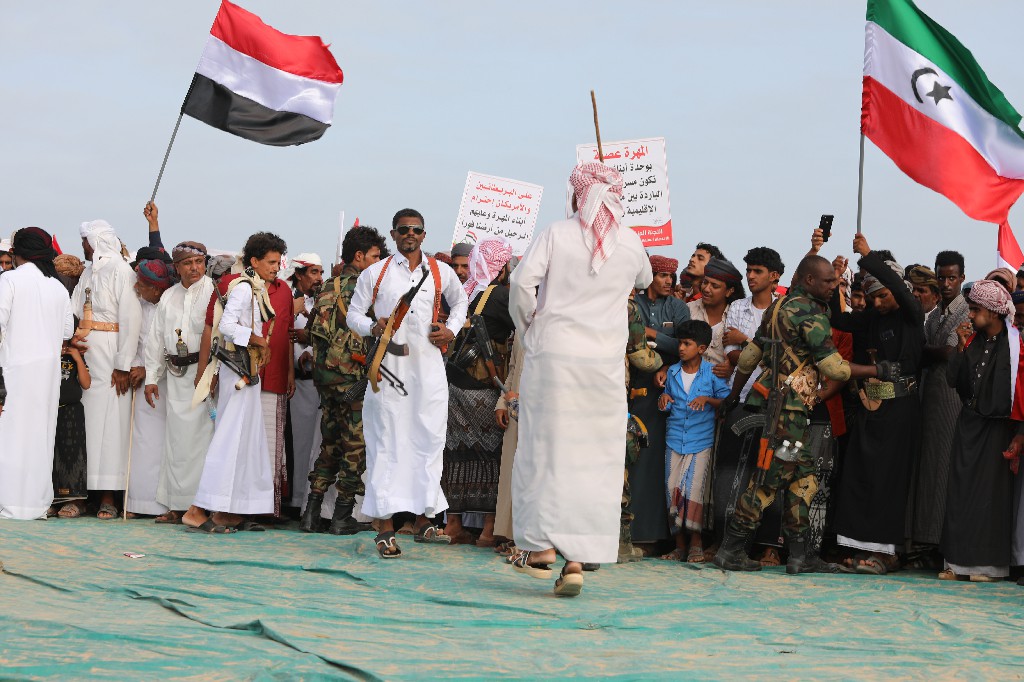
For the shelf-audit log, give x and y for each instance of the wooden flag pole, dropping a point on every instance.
(597, 128)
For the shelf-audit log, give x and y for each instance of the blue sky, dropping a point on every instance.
(759, 103)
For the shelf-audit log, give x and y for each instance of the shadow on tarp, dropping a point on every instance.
(283, 605)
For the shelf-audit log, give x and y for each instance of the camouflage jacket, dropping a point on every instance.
(333, 342)
(638, 353)
(803, 326)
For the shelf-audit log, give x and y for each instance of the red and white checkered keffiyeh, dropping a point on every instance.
(598, 190)
(486, 260)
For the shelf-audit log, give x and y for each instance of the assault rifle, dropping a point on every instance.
(483, 343)
(375, 356)
(768, 420)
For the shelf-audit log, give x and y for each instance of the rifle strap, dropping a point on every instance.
(380, 278)
(436, 273)
(777, 335)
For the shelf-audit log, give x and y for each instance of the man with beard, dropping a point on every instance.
(694, 272)
(460, 260)
(940, 406)
(405, 435)
(35, 318)
(172, 356)
(337, 375)
(661, 313)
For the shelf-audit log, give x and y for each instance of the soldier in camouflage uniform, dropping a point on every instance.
(642, 357)
(340, 379)
(800, 321)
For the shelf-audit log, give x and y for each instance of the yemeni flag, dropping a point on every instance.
(258, 83)
(929, 107)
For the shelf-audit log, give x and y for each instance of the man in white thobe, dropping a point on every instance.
(567, 473)
(35, 318)
(304, 406)
(172, 354)
(112, 342)
(237, 480)
(149, 423)
(405, 435)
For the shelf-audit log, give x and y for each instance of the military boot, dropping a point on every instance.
(342, 523)
(627, 552)
(732, 555)
(310, 522)
(802, 561)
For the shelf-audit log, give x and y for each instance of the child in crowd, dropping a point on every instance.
(692, 396)
(69, 458)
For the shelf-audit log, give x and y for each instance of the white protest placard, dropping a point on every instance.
(644, 168)
(500, 207)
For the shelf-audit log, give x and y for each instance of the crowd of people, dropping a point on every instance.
(586, 399)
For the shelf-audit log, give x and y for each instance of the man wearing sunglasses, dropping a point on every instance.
(405, 435)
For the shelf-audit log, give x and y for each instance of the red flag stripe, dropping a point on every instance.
(935, 156)
(1009, 250)
(305, 56)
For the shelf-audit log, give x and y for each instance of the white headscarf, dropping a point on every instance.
(106, 247)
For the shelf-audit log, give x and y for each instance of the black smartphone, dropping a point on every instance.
(826, 226)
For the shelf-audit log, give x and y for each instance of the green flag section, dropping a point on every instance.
(929, 106)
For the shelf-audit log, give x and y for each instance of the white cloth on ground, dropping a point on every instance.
(567, 474)
(35, 317)
(405, 435)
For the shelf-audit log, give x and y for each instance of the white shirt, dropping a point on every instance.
(35, 316)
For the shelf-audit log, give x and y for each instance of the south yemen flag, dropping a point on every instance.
(258, 83)
(929, 107)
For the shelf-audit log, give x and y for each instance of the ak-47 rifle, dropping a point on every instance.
(767, 421)
(483, 343)
(374, 358)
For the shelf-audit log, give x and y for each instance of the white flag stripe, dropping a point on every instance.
(273, 88)
(892, 64)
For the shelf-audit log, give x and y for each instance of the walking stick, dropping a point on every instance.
(597, 128)
(128, 469)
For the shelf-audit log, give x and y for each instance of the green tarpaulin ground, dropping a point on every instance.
(282, 605)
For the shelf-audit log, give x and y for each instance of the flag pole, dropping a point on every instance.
(597, 128)
(860, 184)
(167, 153)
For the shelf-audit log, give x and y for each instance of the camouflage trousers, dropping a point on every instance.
(632, 454)
(342, 451)
(799, 478)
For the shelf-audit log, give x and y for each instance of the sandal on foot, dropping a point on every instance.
(171, 517)
(208, 526)
(486, 541)
(432, 534)
(463, 537)
(108, 509)
(948, 574)
(675, 555)
(770, 557)
(521, 562)
(872, 566)
(569, 584)
(387, 545)
(696, 556)
(985, 579)
(69, 511)
(250, 525)
(506, 548)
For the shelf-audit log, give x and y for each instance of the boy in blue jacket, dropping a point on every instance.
(692, 396)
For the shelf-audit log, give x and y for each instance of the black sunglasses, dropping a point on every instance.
(404, 229)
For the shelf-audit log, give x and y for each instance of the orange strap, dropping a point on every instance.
(436, 272)
(380, 278)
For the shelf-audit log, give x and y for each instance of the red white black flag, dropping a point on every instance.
(258, 83)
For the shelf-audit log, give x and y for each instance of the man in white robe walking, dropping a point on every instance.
(567, 474)
(405, 435)
(172, 354)
(113, 341)
(35, 318)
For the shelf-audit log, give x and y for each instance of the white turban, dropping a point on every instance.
(104, 242)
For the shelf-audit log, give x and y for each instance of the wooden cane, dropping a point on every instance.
(597, 128)
(128, 469)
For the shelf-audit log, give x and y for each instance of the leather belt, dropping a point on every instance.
(101, 326)
(887, 390)
(178, 361)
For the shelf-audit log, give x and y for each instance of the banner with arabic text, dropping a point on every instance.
(498, 206)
